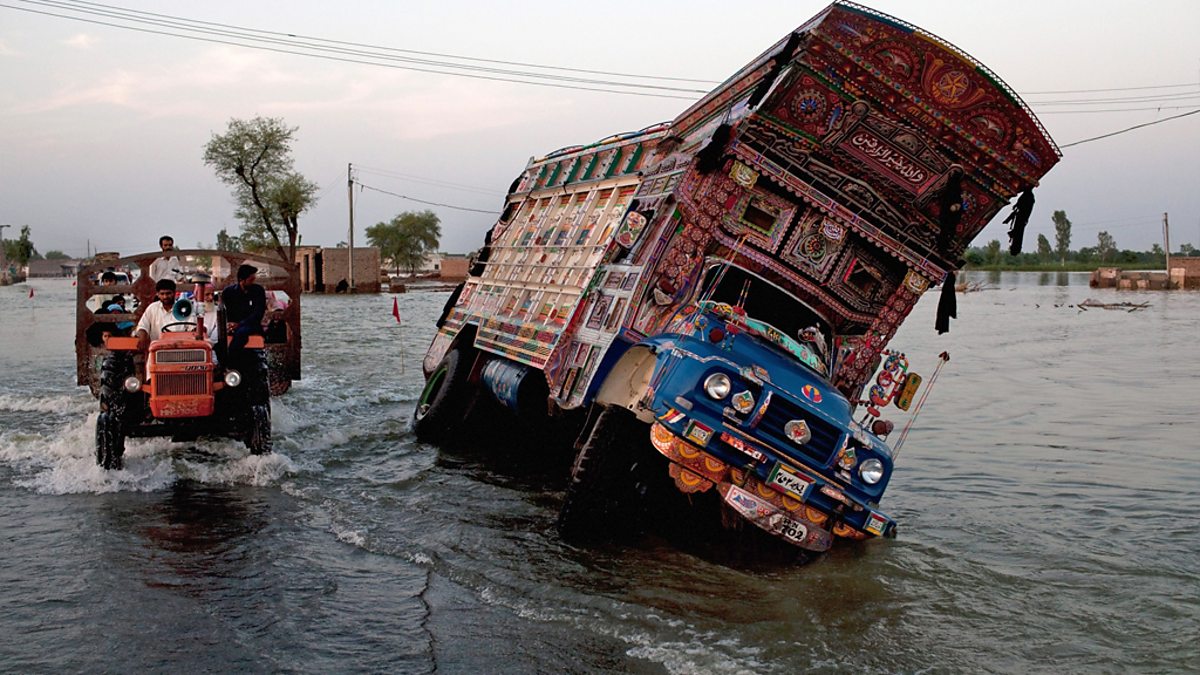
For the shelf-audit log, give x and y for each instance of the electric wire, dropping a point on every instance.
(391, 49)
(297, 48)
(423, 201)
(1128, 129)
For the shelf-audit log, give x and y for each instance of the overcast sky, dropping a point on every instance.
(102, 129)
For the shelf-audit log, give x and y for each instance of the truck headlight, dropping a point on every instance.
(871, 471)
(717, 386)
(132, 384)
(232, 378)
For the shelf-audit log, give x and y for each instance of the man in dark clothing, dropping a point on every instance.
(245, 302)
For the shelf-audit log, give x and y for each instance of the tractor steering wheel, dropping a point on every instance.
(189, 326)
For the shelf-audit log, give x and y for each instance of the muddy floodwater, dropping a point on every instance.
(1048, 500)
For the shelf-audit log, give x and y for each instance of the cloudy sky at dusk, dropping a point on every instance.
(102, 128)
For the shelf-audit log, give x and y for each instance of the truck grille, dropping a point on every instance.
(181, 384)
(825, 436)
(180, 356)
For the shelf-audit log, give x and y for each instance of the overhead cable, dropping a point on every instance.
(422, 201)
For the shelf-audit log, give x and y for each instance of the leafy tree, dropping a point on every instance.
(1186, 249)
(992, 252)
(407, 238)
(227, 242)
(1062, 235)
(57, 255)
(21, 249)
(1043, 248)
(1106, 246)
(255, 158)
(974, 257)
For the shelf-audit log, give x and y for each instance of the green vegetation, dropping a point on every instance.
(255, 158)
(407, 238)
(991, 256)
(21, 250)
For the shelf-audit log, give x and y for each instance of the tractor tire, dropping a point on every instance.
(258, 432)
(609, 479)
(447, 399)
(113, 371)
(110, 441)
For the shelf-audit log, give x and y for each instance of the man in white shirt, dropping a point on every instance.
(164, 267)
(158, 314)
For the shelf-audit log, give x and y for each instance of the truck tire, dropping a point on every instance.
(447, 399)
(258, 432)
(110, 441)
(609, 479)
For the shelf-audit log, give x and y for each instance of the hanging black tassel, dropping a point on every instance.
(949, 211)
(947, 305)
(778, 60)
(1018, 219)
(709, 157)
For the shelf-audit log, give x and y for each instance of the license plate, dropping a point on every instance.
(791, 482)
(790, 528)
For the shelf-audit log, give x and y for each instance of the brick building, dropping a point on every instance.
(322, 269)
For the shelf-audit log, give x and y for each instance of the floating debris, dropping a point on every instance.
(1127, 306)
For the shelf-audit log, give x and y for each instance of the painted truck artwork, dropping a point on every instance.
(712, 298)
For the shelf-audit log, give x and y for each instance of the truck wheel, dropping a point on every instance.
(258, 433)
(447, 398)
(608, 479)
(110, 441)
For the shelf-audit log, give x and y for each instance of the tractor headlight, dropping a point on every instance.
(232, 378)
(871, 471)
(717, 386)
(132, 384)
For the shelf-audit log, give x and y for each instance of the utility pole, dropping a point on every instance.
(350, 190)
(4, 280)
(1167, 247)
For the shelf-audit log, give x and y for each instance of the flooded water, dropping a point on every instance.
(1047, 499)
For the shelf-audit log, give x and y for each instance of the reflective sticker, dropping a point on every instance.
(743, 402)
(743, 447)
(698, 433)
(673, 416)
(834, 493)
(811, 393)
(847, 458)
(797, 432)
(876, 524)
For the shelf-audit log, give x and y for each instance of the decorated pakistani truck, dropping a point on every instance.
(712, 298)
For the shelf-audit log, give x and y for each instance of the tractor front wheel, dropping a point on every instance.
(110, 441)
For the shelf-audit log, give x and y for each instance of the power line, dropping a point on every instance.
(1111, 110)
(422, 201)
(1136, 126)
(386, 48)
(297, 47)
(428, 181)
(1095, 91)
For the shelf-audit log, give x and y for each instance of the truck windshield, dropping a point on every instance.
(769, 312)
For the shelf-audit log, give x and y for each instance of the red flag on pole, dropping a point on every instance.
(396, 309)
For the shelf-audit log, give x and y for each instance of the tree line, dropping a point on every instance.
(1104, 252)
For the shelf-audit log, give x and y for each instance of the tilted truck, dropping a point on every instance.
(711, 297)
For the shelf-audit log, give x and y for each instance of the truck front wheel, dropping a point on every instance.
(609, 478)
(447, 398)
(110, 441)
